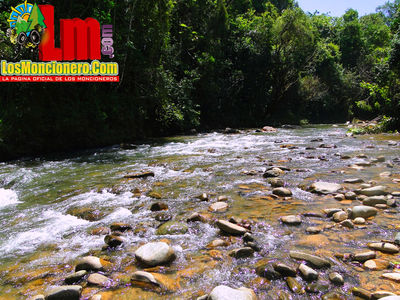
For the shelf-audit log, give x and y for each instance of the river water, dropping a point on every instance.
(41, 237)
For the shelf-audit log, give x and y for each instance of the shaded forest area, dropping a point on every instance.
(208, 64)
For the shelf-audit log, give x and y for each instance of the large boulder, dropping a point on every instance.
(223, 292)
(155, 254)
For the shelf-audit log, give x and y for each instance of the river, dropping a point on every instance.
(50, 206)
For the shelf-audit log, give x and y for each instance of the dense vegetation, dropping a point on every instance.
(209, 64)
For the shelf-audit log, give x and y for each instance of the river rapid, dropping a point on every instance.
(58, 209)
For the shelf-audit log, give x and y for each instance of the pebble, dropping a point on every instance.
(359, 221)
(203, 197)
(313, 230)
(276, 182)
(339, 197)
(308, 273)
(336, 278)
(155, 254)
(196, 217)
(282, 192)
(318, 287)
(350, 196)
(70, 292)
(384, 247)
(222, 198)
(364, 256)
(315, 261)
(347, 224)
(291, 220)
(231, 228)
(274, 172)
(340, 216)
(113, 241)
(294, 285)
(331, 211)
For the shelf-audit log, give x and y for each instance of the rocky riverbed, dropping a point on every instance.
(304, 213)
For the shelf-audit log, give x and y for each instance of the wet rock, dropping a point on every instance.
(86, 213)
(317, 287)
(113, 241)
(217, 243)
(322, 187)
(308, 273)
(241, 252)
(315, 261)
(140, 175)
(339, 197)
(336, 278)
(100, 231)
(231, 131)
(384, 247)
(247, 237)
(196, 217)
(363, 212)
(268, 271)
(121, 227)
(397, 239)
(159, 206)
(218, 207)
(364, 256)
(231, 228)
(98, 280)
(153, 281)
(163, 217)
(347, 224)
(89, 263)
(353, 180)
(155, 254)
(313, 230)
(340, 216)
(392, 276)
(359, 221)
(284, 269)
(254, 246)
(222, 198)
(291, 220)
(350, 196)
(312, 214)
(385, 174)
(391, 298)
(75, 277)
(294, 286)
(282, 192)
(276, 182)
(203, 197)
(223, 292)
(274, 172)
(374, 200)
(360, 292)
(269, 129)
(376, 264)
(172, 227)
(374, 191)
(331, 211)
(66, 292)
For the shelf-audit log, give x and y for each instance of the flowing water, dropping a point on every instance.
(41, 238)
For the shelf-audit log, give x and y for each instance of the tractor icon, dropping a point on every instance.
(26, 25)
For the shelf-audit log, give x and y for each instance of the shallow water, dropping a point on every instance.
(40, 241)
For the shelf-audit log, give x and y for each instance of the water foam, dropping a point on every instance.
(8, 197)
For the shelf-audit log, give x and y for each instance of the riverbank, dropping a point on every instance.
(245, 212)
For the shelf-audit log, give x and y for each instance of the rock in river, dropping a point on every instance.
(374, 200)
(153, 281)
(97, 279)
(384, 247)
(363, 212)
(282, 192)
(276, 182)
(321, 187)
(291, 220)
(374, 191)
(308, 273)
(155, 254)
(89, 263)
(75, 277)
(336, 278)
(218, 207)
(67, 292)
(241, 252)
(231, 228)
(392, 276)
(315, 261)
(172, 227)
(223, 292)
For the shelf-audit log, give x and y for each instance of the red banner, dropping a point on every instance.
(99, 79)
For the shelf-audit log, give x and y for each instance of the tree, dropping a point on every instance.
(36, 18)
(350, 39)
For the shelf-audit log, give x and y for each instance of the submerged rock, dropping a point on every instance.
(294, 286)
(67, 292)
(241, 252)
(322, 187)
(155, 254)
(75, 277)
(316, 261)
(219, 207)
(86, 213)
(172, 227)
(291, 220)
(282, 192)
(223, 292)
